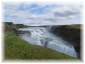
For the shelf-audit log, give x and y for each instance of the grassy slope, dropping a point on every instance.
(16, 48)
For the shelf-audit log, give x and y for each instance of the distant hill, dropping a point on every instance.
(21, 26)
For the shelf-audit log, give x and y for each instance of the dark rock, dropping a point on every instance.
(72, 35)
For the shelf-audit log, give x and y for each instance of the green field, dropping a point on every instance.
(16, 48)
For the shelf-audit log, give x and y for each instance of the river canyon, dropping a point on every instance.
(42, 37)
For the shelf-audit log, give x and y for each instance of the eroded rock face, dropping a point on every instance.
(69, 34)
(40, 36)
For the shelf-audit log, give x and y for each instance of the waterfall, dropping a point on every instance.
(40, 36)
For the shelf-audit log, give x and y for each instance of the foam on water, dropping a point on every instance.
(40, 36)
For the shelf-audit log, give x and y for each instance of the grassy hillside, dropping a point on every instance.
(16, 48)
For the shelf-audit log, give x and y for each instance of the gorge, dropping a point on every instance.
(42, 37)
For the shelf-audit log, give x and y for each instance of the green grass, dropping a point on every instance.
(16, 48)
(74, 26)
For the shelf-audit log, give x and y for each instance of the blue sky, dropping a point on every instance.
(42, 13)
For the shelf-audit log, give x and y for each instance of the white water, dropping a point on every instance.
(40, 36)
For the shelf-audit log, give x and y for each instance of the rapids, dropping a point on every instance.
(40, 36)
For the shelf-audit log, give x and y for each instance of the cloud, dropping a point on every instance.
(66, 13)
(42, 14)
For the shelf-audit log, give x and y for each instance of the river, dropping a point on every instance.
(40, 36)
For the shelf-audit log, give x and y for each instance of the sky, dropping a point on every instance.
(42, 13)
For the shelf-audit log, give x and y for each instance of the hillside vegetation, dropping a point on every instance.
(16, 48)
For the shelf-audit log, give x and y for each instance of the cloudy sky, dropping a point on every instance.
(45, 13)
